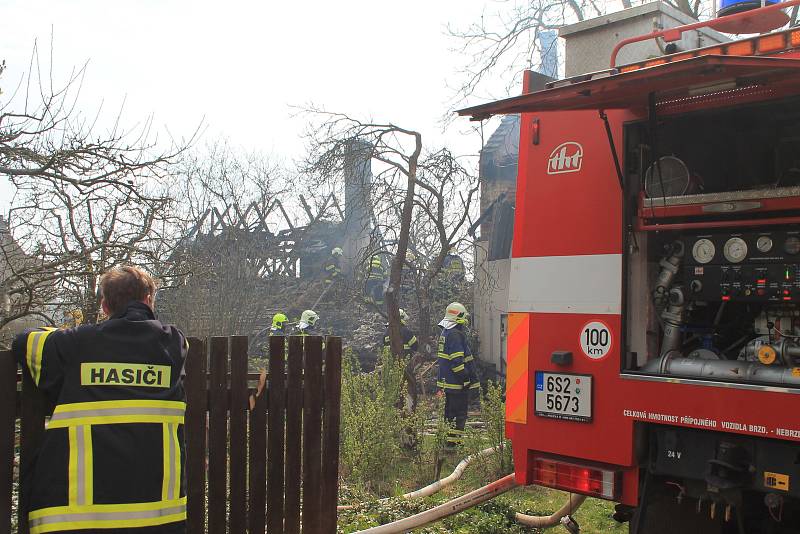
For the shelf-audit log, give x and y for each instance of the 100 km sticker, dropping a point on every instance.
(596, 340)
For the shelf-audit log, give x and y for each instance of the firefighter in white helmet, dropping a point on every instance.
(307, 324)
(456, 370)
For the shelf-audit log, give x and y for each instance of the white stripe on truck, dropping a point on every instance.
(566, 284)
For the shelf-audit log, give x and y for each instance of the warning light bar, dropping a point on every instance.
(599, 482)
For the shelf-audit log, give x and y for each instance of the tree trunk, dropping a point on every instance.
(396, 273)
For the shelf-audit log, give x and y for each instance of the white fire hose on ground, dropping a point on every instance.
(473, 498)
(575, 501)
(432, 488)
(469, 500)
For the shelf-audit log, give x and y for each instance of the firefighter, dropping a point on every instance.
(456, 371)
(113, 449)
(333, 267)
(453, 267)
(307, 324)
(278, 327)
(410, 343)
(376, 278)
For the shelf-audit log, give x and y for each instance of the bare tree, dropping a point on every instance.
(226, 276)
(44, 136)
(505, 42)
(420, 200)
(86, 197)
(73, 236)
(446, 198)
(396, 151)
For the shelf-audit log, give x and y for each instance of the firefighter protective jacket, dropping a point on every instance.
(333, 269)
(410, 343)
(113, 455)
(456, 362)
(375, 270)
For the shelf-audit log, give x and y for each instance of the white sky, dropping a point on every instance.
(240, 65)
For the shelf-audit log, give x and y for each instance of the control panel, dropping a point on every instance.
(749, 267)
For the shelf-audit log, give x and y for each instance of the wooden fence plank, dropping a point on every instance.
(195, 430)
(275, 435)
(258, 466)
(312, 435)
(294, 428)
(8, 405)
(238, 424)
(31, 434)
(330, 434)
(218, 436)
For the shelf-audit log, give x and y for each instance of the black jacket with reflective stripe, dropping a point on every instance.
(114, 443)
(410, 342)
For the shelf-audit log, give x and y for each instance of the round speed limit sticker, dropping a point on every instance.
(596, 340)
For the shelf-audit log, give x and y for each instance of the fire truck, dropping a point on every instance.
(653, 354)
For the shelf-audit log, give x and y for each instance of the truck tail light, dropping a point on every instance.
(595, 481)
(794, 38)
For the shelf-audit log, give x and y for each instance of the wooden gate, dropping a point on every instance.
(273, 468)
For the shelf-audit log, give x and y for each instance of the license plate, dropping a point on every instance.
(563, 396)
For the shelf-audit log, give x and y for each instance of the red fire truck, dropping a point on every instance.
(654, 326)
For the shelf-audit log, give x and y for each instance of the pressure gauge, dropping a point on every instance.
(703, 251)
(764, 244)
(735, 250)
(792, 245)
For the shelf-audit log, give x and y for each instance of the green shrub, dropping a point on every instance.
(371, 422)
(493, 466)
(431, 427)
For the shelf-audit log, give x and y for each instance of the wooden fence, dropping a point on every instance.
(273, 468)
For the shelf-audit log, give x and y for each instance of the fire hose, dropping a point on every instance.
(432, 488)
(473, 498)
(468, 501)
(575, 502)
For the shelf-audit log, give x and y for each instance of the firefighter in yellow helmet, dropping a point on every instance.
(113, 449)
(456, 370)
(278, 328)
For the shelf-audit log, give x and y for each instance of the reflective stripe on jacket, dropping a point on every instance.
(410, 343)
(375, 270)
(333, 269)
(113, 453)
(452, 353)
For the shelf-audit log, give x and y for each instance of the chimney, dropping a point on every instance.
(588, 44)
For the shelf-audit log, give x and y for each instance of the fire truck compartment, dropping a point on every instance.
(714, 276)
(724, 461)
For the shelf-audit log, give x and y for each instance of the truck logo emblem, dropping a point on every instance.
(566, 157)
